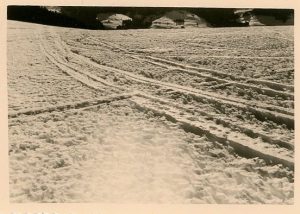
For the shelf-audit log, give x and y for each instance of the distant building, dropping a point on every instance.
(179, 19)
(192, 20)
(165, 22)
(113, 21)
(244, 15)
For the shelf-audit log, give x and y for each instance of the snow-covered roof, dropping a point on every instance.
(112, 21)
(163, 19)
(119, 17)
(244, 10)
(112, 16)
(53, 9)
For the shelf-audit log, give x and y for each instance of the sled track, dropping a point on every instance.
(273, 88)
(272, 85)
(85, 78)
(215, 47)
(220, 133)
(215, 133)
(219, 120)
(235, 57)
(72, 105)
(242, 144)
(245, 130)
(266, 91)
(260, 113)
(282, 110)
(79, 134)
(278, 89)
(278, 37)
(182, 68)
(273, 94)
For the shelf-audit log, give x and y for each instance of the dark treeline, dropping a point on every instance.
(143, 16)
(41, 15)
(85, 17)
(280, 14)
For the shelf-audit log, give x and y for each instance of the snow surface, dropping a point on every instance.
(114, 154)
(131, 117)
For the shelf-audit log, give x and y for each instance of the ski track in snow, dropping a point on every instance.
(203, 70)
(83, 131)
(237, 85)
(116, 154)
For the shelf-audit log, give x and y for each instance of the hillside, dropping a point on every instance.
(202, 116)
(85, 17)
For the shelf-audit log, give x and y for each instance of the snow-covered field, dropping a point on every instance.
(151, 116)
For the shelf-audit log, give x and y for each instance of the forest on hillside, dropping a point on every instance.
(85, 17)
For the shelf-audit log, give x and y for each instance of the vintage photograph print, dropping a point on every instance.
(152, 105)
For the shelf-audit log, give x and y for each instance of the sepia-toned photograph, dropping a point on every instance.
(150, 105)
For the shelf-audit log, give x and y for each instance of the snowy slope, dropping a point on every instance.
(100, 116)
